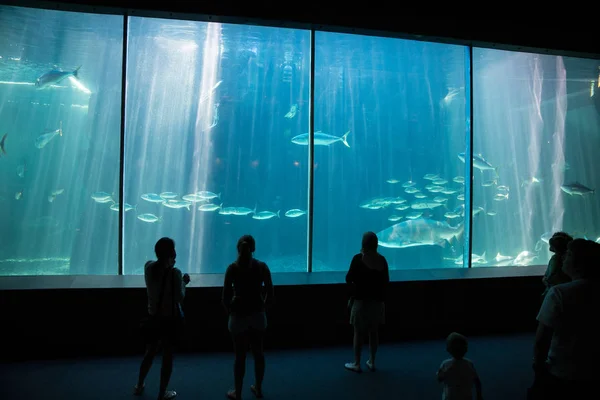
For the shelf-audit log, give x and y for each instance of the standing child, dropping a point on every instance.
(458, 374)
(554, 274)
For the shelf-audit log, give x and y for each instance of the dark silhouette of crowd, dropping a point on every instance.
(565, 349)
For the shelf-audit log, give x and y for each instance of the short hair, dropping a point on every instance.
(164, 248)
(247, 240)
(585, 255)
(457, 345)
(559, 241)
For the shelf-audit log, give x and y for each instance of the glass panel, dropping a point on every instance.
(211, 110)
(60, 113)
(537, 130)
(392, 116)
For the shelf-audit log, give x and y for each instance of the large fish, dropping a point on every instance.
(54, 77)
(419, 232)
(321, 139)
(479, 162)
(576, 189)
(43, 140)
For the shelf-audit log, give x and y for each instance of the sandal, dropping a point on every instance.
(353, 367)
(257, 393)
(138, 390)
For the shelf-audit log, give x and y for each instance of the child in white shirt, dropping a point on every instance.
(458, 374)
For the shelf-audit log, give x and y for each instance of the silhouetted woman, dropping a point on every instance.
(165, 287)
(369, 277)
(566, 351)
(554, 274)
(246, 291)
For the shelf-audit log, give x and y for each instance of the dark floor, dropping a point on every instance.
(406, 371)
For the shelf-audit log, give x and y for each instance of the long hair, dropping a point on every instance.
(370, 257)
(369, 242)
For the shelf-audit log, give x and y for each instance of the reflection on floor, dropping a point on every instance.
(406, 371)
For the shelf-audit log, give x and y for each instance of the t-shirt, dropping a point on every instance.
(174, 289)
(458, 378)
(571, 310)
(243, 289)
(369, 284)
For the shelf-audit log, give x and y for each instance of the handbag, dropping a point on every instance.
(149, 325)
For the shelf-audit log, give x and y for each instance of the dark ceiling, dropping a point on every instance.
(531, 32)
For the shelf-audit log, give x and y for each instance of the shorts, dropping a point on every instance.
(164, 330)
(242, 323)
(367, 314)
(549, 387)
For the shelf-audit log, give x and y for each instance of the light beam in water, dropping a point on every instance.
(202, 141)
(535, 134)
(78, 85)
(560, 112)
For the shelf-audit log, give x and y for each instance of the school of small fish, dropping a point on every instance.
(203, 201)
(423, 216)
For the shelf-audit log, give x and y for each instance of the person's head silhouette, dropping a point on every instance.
(581, 260)
(246, 247)
(165, 251)
(369, 242)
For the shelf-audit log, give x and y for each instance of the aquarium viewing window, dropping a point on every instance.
(117, 130)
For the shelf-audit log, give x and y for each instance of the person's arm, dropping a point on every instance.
(547, 273)
(543, 339)
(553, 275)
(178, 286)
(351, 278)
(351, 275)
(477, 384)
(478, 392)
(440, 373)
(146, 274)
(386, 272)
(227, 289)
(149, 292)
(547, 321)
(269, 288)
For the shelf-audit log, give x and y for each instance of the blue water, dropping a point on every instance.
(214, 108)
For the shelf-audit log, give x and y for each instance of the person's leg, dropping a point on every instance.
(240, 344)
(166, 370)
(357, 346)
(373, 345)
(145, 366)
(257, 346)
